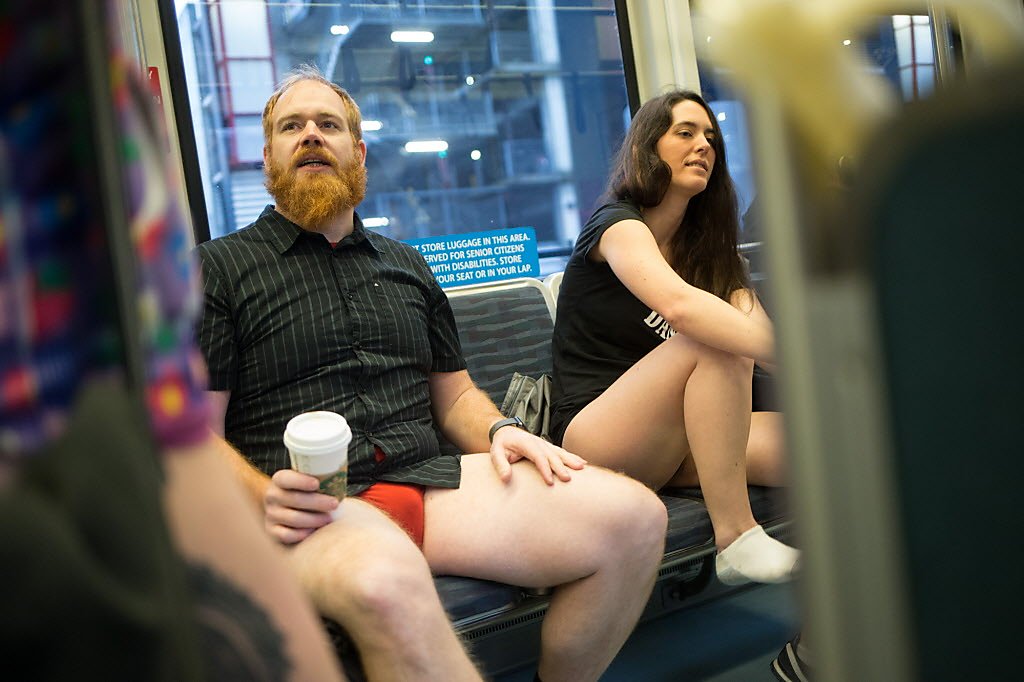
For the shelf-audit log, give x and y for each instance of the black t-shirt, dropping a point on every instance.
(601, 329)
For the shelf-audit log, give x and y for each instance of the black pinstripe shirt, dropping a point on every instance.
(291, 325)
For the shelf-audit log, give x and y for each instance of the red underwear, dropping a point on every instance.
(402, 502)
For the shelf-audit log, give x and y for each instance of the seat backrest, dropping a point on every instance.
(553, 282)
(948, 239)
(504, 328)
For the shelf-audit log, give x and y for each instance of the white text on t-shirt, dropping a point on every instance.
(660, 326)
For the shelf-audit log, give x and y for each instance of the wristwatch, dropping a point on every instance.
(511, 421)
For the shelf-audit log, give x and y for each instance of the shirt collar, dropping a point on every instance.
(283, 233)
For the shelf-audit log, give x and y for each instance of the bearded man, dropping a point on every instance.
(307, 310)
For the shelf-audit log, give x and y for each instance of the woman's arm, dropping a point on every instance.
(747, 302)
(631, 251)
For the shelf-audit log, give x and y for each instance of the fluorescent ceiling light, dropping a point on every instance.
(376, 222)
(470, 80)
(847, 41)
(412, 37)
(475, 155)
(339, 30)
(371, 126)
(421, 146)
(721, 115)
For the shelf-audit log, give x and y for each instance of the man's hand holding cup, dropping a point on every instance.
(317, 444)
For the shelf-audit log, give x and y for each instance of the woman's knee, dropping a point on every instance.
(684, 347)
(725, 361)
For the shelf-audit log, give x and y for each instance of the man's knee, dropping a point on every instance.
(387, 587)
(649, 519)
(635, 519)
(361, 574)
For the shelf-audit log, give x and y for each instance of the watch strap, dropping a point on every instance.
(510, 421)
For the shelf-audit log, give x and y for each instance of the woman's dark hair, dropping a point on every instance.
(704, 247)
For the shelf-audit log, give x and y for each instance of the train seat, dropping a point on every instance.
(505, 328)
(768, 504)
(554, 283)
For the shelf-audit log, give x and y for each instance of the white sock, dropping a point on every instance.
(754, 556)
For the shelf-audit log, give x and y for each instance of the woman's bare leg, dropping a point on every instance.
(683, 401)
(716, 410)
(766, 450)
(766, 455)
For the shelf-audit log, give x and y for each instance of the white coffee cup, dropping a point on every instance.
(317, 444)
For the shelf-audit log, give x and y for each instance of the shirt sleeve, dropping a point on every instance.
(445, 346)
(603, 218)
(216, 332)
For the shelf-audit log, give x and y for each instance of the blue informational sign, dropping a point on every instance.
(458, 259)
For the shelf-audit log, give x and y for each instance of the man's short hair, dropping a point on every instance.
(309, 72)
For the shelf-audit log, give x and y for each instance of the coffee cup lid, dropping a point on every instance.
(317, 432)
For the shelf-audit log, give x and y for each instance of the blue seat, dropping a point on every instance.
(768, 504)
(506, 328)
(689, 525)
(467, 600)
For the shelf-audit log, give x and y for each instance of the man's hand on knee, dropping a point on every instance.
(294, 508)
(511, 445)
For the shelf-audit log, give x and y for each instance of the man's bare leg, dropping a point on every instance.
(599, 538)
(364, 572)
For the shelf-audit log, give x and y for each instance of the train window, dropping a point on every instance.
(477, 115)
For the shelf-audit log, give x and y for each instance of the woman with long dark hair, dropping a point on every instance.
(658, 330)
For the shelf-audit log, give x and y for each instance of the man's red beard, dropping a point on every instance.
(311, 200)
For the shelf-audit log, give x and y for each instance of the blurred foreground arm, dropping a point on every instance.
(214, 526)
